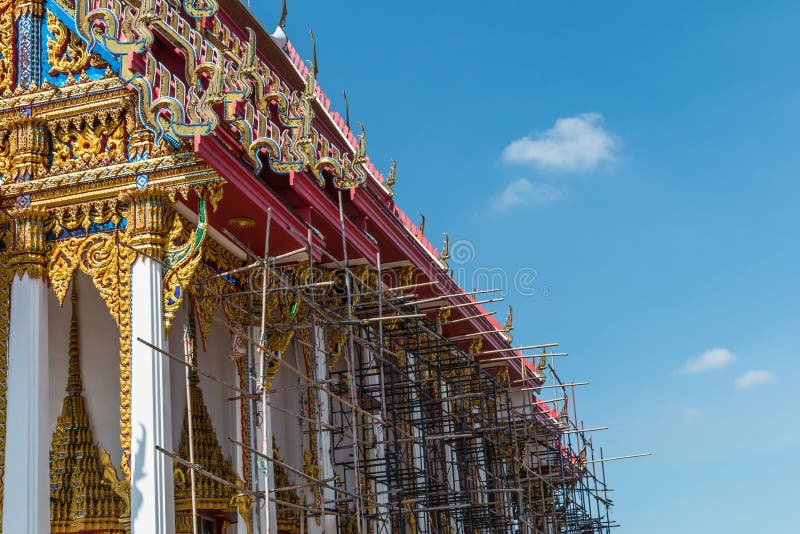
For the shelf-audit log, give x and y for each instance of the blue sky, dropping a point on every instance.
(641, 158)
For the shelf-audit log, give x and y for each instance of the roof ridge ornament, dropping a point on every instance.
(279, 35)
(198, 9)
(391, 180)
(444, 255)
(346, 110)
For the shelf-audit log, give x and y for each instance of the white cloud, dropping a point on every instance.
(753, 378)
(523, 192)
(573, 144)
(710, 359)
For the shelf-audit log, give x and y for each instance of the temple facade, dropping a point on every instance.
(214, 318)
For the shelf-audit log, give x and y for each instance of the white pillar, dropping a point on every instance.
(26, 499)
(324, 441)
(263, 441)
(152, 494)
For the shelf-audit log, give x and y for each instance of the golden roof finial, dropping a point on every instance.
(346, 110)
(422, 224)
(509, 319)
(392, 179)
(314, 65)
(445, 254)
(564, 415)
(74, 384)
(509, 325)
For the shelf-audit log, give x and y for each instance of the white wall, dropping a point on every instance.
(99, 346)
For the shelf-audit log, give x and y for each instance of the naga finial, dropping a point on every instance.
(542, 365)
(284, 12)
(346, 110)
(279, 35)
(422, 224)
(509, 324)
(392, 179)
(445, 254)
(314, 64)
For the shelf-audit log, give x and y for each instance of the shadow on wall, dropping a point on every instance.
(138, 474)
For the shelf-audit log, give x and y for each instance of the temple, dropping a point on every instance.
(214, 318)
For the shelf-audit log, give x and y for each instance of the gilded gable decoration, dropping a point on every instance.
(182, 104)
(66, 53)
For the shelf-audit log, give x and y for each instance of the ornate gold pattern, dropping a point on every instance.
(283, 307)
(149, 211)
(28, 149)
(183, 257)
(83, 142)
(67, 53)
(108, 263)
(27, 255)
(7, 38)
(80, 500)
(218, 68)
(120, 485)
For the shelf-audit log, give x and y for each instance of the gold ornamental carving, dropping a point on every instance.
(80, 499)
(67, 53)
(107, 261)
(28, 149)
(88, 142)
(147, 222)
(7, 38)
(28, 7)
(28, 253)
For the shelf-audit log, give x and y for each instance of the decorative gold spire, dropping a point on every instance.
(74, 384)
(213, 498)
(79, 499)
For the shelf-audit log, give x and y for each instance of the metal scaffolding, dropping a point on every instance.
(419, 432)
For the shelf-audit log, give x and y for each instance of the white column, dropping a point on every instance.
(263, 440)
(26, 499)
(152, 494)
(324, 442)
